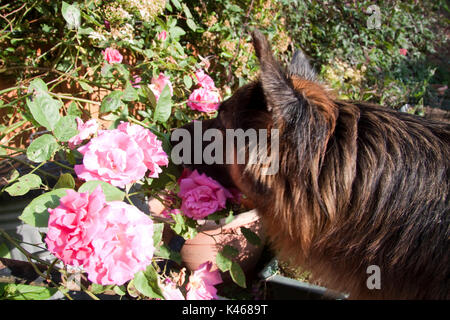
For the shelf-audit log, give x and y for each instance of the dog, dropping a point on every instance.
(359, 186)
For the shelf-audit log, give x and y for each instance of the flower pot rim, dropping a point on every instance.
(207, 225)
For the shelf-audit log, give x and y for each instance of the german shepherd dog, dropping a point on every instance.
(358, 185)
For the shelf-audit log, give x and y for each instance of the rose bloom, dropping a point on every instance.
(204, 80)
(158, 85)
(162, 35)
(71, 226)
(201, 195)
(84, 131)
(201, 283)
(123, 244)
(112, 55)
(403, 52)
(111, 241)
(204, 99)
(154, 155)
(121, 156)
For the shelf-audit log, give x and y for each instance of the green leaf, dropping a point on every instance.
(163, 106)
(191, 24)
(86, 87)
(158, 229)
(130, 93)
(223, 263)
(146, 282)
(106, 70)
(45, 110)
(27, 292)
(111, 193)
(122, 70)
(24, 184)
(17, 189)
(164, 252)
(251, 236)
(65, 181)
(237, 275)
(42, 149)
(66, 128)
(187, 12)
(176, 32)
(150, 95)
(36, 212)
(111, 102)
(177, 4)
(4, 251)
(86, 31)
(73, 110)
(120, 290)
(37, 87)
(32, 180)
(230, 251)
(71, 14)
(98, 288)
(184, 226)
(187, 81)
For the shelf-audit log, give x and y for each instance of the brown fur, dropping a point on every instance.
(358, 184)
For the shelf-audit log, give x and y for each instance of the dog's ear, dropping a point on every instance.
(301, 68)
(278, 89)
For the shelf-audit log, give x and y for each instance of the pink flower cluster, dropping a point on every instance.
(201, 195)
(122, 156)
(206, 98)
(110, 240)
(200, 286)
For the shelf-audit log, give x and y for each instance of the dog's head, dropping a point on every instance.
(289, 101)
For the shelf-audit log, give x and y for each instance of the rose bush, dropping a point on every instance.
(109, 137)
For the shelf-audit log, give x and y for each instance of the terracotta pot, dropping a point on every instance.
(212, 238)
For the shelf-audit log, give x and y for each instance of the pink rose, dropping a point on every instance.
(162, 35)
(201, 195)
(112, 55)
(158, 85)
(113, 157)
(121, 156)
(84, 131)
(111, 241)
(123, 244)
(204, 99)
(204, 80)
(403, 52)
(201, 283)
(71, 226)
(154, 155)
(170, 290)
